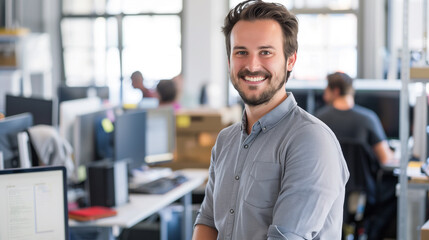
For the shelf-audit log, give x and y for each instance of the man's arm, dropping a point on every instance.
(203, 232)
(315, 178)
(383, 152)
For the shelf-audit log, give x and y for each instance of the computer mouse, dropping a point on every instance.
(179, 179)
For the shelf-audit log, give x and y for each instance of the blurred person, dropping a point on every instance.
(137, 83)
(167, 93)
(350, 121)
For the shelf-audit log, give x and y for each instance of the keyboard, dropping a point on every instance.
(159, 186)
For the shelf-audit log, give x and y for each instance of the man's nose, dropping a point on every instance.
(254, 63)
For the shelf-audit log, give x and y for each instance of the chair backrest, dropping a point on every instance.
(363, 167)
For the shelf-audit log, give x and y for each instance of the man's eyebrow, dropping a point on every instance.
(239, 48)
(261, 47)
(265, 47)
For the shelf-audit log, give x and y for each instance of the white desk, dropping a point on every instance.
(418, 185)
(142, 206)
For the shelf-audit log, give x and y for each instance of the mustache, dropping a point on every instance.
(246, 72)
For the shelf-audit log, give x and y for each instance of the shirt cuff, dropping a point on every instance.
(274, 233)
(204, 221)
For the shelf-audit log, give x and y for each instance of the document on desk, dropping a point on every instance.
(414, 171)
(24, 208)
(21, 224)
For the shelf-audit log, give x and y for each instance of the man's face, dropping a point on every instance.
(133, 83)
(257, 63)
(329, 95)
(136, 81)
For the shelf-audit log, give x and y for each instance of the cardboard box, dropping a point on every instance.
(419, 73)
(206, 119)
(197, 130)
(424, 232)
(198, 121)
(8, 59)
(195, 147)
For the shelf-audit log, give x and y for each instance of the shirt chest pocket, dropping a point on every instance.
(263, 186)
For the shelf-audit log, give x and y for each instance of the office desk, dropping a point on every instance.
(418, 185)
(142, 206)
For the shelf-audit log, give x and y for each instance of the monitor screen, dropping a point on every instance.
(70, 109)
(385, 103)
(309, 99)
(33, 204)
(420, 129)
(85, 132)
(9, 129)
(160, 135)
(66, 93)
(130, 138)
(41, 109)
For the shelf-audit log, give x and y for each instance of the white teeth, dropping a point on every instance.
(254, 79)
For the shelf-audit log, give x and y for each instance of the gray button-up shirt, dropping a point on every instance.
(286, 180)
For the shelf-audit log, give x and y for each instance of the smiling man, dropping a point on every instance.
(280, 173)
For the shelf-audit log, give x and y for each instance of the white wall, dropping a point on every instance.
(204, 54)
(371, 34)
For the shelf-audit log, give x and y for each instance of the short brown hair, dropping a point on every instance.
(166, 90)
(341, 81)
(258, 10)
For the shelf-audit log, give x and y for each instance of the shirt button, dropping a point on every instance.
(264, 128)
(237, 177)
(231, 211)
(246, 146)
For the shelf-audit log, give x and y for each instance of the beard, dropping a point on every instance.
(265, 96)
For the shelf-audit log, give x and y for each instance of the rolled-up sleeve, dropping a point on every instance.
(205, 214)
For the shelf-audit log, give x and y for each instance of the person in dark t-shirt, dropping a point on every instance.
(351, 121)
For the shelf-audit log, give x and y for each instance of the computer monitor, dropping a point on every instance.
(70, 109)
(160, 135)
(420, 129)
(301, 97)
(84, 134)
(9, 129)
(130, 138)
(42, 109)
(385, 103)
(33, 203)
(66, 93)
(308, 99)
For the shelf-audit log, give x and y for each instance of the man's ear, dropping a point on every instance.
(291, 61)
(336, 92)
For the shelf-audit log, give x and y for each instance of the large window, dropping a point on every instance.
(105, 41)
(327, 37)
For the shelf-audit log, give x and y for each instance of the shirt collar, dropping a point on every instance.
(268, 121)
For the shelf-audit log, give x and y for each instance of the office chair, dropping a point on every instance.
(365, 198)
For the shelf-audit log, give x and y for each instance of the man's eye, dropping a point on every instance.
(241, 53)
(265, 53)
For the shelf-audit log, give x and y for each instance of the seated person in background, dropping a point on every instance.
(351, 121)
(167, 92)
(137, 83)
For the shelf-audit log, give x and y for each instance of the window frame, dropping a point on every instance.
(120, 47)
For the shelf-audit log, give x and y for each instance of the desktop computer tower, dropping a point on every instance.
(108, 183)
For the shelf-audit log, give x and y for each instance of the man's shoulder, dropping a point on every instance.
(366, 112)
(323, 111)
